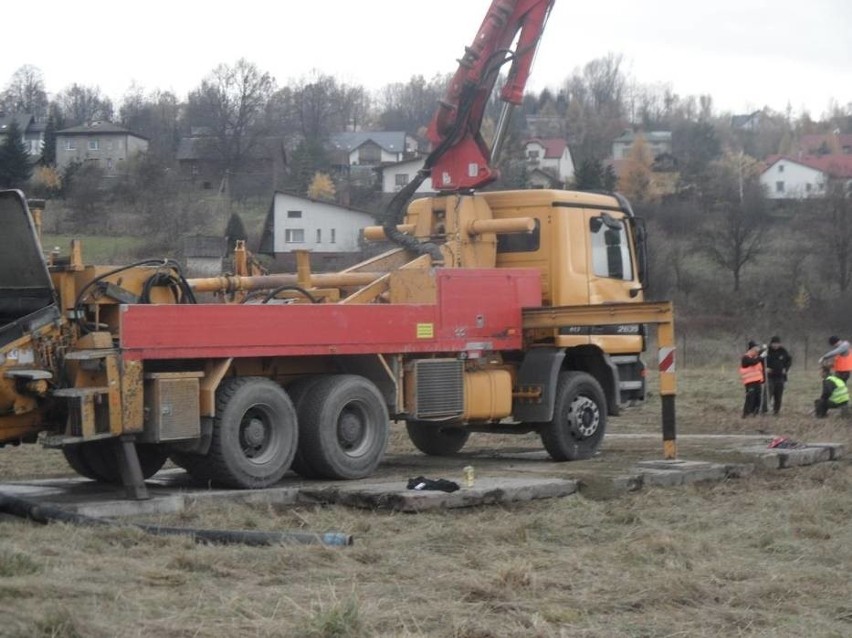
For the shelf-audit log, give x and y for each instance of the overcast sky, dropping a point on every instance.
(745, 53)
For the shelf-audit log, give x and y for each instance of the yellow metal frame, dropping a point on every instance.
(660, 314)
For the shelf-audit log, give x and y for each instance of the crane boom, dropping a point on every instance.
(460, 159)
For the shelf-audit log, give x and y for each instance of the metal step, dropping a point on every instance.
(77, 393)
(90, 355)
(31, 374)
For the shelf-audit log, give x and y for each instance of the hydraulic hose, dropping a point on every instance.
(45, 514)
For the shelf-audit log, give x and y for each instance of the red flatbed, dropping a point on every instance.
(477, 310)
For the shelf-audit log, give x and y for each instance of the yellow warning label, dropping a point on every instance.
(425, 331)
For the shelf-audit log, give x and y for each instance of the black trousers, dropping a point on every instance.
(822, 406)
(751, 407)
(774, 393)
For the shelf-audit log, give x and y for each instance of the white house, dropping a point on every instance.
(805, 176)
(395, 176)
(658, 142)
(550, 155)
(372, 148)
(300, 223)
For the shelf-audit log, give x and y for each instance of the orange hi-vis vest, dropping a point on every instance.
(843, 362)
(751, 374)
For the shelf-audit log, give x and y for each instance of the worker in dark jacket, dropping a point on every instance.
(835, 394)
(751, 374)
(778, 362)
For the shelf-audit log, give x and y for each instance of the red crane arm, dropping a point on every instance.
(460, 158)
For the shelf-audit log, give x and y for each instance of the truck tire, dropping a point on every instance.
(297, 392)
(254, 435)
(436, 439)
(579, 418)
(194, 464)
(74, 455)
(98, 459)
(344, 427)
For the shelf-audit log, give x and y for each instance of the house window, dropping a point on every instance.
(333, 236)
(109, 163)
(71, 145)
(400, 179)
(294, 214)
(294, 235)
(808, 187)
(779, 187)
(319, 235)
(369, 154)
(93, 145)
(532, 155)
(780, 168)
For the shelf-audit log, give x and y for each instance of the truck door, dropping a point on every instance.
(612, 275)
(27, 299)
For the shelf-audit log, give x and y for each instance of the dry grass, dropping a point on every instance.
(763, 556)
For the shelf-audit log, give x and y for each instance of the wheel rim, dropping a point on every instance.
(354, 434)
(258, 437)
(584, 417)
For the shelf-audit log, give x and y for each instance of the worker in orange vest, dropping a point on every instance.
(839, 357)
(752, 376)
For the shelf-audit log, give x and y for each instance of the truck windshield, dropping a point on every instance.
(610, 248)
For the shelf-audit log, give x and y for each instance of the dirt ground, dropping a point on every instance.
(767, 555)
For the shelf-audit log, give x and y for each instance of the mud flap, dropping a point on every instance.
(539, 372)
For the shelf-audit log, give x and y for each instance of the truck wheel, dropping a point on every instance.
(99, 459)
(436, 439)
(344, 427)
(297, 392)
(194, 464)
(579, 418)
(74, 455)
(254, 434)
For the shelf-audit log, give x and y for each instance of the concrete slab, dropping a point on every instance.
(780, 458)
(486, 491)
(503, 475)
(667, 473)
(836, 450)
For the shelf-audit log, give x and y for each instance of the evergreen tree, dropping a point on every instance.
(609, 178)
(15, 165)
(48, 151)
(589, 176)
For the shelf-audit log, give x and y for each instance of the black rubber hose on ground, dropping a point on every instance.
(45, 514)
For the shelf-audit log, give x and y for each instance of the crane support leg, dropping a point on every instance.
(131, 469)
(660, 314)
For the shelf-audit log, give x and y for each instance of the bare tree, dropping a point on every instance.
(321, 105)
(25, 92)
(596, 111)
(155, 116)
(833, 217)
(82, 104)
(232, 102)
(410, 106)
(735, 207)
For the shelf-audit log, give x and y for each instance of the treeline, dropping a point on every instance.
(720, 246)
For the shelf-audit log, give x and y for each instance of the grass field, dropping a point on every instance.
(767, 555)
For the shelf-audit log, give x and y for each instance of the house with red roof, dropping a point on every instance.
(803, 176)
(549, 162)
(826, 144)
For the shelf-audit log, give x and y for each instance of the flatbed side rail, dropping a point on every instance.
(657, 313)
